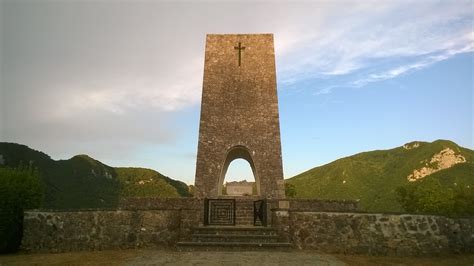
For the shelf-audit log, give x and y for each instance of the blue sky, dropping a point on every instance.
(122, 81)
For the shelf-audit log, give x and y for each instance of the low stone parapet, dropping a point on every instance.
(377, 234)
(322, 205)
(145, 223)
(62, 231)
(161, 204)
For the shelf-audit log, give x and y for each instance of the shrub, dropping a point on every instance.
(429, 196)
(19, 189)
(290, 190)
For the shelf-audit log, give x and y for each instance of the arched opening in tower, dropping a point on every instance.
(239, 179)
(238, 176)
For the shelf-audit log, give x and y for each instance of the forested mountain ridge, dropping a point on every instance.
(383, 179)
(83, 182)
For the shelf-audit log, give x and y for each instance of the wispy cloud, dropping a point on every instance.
(424, 62)
(131, 93)
(375, 42)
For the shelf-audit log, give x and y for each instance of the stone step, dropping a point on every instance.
(235, 238)
(217, 246)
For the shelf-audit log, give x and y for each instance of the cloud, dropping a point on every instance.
(424, 62)
(133, 93)
(377, 42)
(107, 78)
(96, 78)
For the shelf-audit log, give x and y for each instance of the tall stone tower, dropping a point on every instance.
(239, 114)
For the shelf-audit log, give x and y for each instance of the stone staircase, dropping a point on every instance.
(234, 238)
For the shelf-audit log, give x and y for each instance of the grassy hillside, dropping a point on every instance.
(83, 182)
(373, 177)
(140, 182)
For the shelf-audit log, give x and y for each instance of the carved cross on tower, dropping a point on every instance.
(240, 48)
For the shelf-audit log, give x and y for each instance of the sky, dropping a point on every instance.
(121, 81)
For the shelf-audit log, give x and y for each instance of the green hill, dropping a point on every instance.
(83, 182)
(375, 177)
(141, 182)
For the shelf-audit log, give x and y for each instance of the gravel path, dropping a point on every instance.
(172, 257)
(234, 258)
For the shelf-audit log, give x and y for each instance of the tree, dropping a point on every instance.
(431, 197)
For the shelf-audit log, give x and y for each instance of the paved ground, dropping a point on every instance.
(167, 257)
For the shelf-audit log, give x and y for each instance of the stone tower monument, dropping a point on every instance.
(239, 114)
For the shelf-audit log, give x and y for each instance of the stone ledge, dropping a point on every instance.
(317, 205)
(161, 204)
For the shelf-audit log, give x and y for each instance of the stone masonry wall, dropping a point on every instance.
(161, 204)
(244, 206)
(57, 231)
(323, 205)
(376, 234)
(239, 114)
(145, 223)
